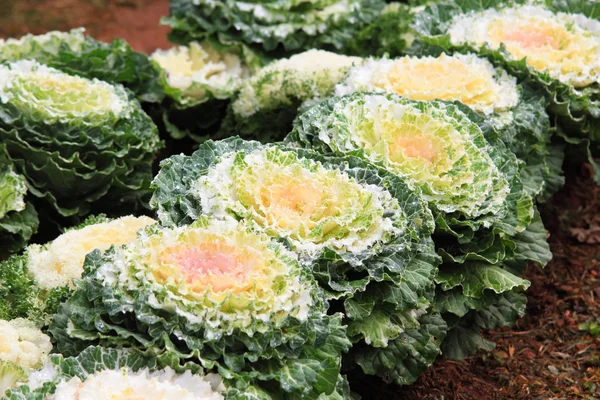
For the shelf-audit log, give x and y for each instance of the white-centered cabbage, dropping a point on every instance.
(143, 384)
(301, 77)
(23, 344)
(466, 78)
(60, 261)
(199, 67)
(566, 46)
(214, 273)
(13, 188)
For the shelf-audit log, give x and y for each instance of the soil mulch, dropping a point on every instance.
(137, 21)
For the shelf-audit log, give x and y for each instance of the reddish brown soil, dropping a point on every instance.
(137, 21)
(547, 355)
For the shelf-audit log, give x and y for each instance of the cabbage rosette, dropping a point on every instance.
(268, 102)
(198, 80)
(517, 112)
(76, 141)
(23, 348)
(103, 373)
(213, 292)
(33, 285)
(18, 218)
(77, 54)
(553, 45)
(273, 27)
(470, 183)
(463, 169)
(362, 231)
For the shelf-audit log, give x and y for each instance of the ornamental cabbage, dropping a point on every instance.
(442, 149)
(18, 218)
(76, 141)
(516, 111)
(564, 46)
(199, 77)
(551, 45)
(99, 373)
(23, 347)
(33, 285)
(275, 27)
(466, 78)
(362, 231)
(213, 292)
(268, 102)
(76, 54)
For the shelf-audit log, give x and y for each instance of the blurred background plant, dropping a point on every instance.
(137, 21)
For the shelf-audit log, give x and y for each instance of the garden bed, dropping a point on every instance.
(552, 352)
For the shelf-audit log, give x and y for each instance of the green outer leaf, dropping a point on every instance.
(475, 296)
(72, 52)
(277, 28)
(492, 312)
(476, 278)
(74, 164)
(577, 110)
(389, 34)
(16, 228)
(531, 244)
(20, 297)
(12, 189)
(406, 357)
(18, 218)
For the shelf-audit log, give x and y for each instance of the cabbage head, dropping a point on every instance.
(268, 102)
(24, 347)
(81, 144)
(213, 292)
(273, 27)
(198, 80)
(471, 184)
(363, 233)
(77, 54)
(34, 284)
(117, 373)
